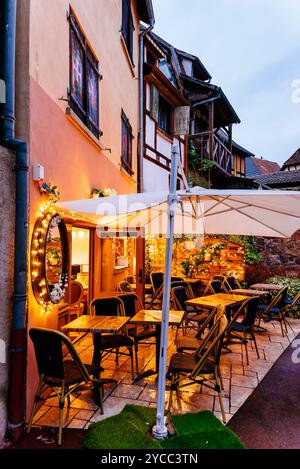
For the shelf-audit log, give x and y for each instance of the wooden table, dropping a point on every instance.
(97, 325)
(212, 301)
(154, 318)
(267, 287)
(244, 291)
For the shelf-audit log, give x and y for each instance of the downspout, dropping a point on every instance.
(141, 104)
(17, 350)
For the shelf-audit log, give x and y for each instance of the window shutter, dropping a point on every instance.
(154, 102)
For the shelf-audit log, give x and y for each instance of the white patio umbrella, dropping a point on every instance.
(196, 211)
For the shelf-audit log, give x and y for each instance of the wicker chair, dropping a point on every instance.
(62, 376)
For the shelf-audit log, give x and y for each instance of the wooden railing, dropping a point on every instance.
(209, 146)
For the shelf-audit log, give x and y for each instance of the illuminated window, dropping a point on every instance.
(84, 79)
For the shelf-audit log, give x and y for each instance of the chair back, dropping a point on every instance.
(124, 286)
(283, 292)
(295, 300)
(217, 286)
(242, 309)
(222, 279)
(179, 297)
(210, 348)
(157, 280)
(278, 300)
(48, 347)
(184, 284)
(107, 306)
(212, 315)
(77, 292)
(251, 312)
(130, 279)
(177, 279)
(232, 282)
(132, 304)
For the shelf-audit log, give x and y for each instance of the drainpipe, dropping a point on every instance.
(17, 351)
(141, 104)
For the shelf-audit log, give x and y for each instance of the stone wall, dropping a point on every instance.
(7, 216)
(279, 257)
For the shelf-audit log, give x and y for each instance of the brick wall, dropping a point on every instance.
(280, 257)
(7, 207)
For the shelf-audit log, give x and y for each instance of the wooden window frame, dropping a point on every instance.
(126, 163)
(89, 60)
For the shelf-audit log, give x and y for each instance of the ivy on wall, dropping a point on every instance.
(252, 255)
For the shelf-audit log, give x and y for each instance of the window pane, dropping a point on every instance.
(124, 142)
(164, 118)
(77, 70)
(92, 88)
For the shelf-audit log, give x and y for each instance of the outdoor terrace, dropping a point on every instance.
(239, 379)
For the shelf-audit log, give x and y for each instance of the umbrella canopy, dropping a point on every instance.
(240, 212)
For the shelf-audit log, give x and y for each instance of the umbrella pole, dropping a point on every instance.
(159, 431)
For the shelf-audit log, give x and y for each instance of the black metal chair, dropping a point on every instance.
(186, 285)
(233, 283)
(213, 287)
(188, 343)
(275, 310)
(222, 279)
(157, 282)
(56, 373)
(132, 305)
(203, 367)
(241, 330)
(111, 343)
(179, 297)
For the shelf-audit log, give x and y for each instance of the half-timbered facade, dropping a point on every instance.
(164, 104)
(214, 158)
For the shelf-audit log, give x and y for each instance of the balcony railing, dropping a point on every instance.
(209, 146)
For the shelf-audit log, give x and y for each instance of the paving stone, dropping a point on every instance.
(51, 418)
(85, 401)
(113, 406)
(239, 394)
(43, 409)
(130, 391)
(77, 423)
(245, 381)
(84, 414)
(226, 404)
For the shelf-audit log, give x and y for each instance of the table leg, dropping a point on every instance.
(147, 373)
(97, 362)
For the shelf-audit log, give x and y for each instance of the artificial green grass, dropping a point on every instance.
(131, 429)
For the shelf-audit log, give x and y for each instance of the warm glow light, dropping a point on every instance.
(81, 234)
